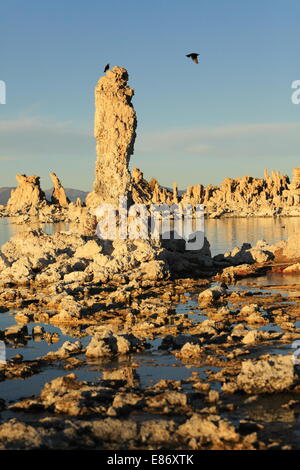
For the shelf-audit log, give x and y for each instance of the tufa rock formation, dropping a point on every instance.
(151, 192)
(27, 197)
(236, 197)
(59, 196)
(296, 177)
(28, 202)
(115, 125)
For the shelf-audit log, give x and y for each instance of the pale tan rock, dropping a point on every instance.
(27, 197)
(212, 295)
(70, 396)
(296, 177)
(252, 337)
(261, 253)
(124, 399)
(175, 193)
(249, 309)
(247, 196)
(167, 398)
(115, 125)
(189, 351)
(141, 189)
(20, 271)
(59, 194)
(293, 268)
(3, 262)
(213, 396)
(89, 250)
(288, 249)
(126, 373)
(107, 344)
(153, 432)
(235, 272)
(17, 435)
(213, 428)
(274, 374)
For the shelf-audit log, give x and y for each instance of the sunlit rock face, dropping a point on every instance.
(296, 177)
(27, 197)
(59, 194)
(271, 195)
(115, 126)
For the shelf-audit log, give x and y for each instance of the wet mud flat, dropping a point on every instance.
(167, 367)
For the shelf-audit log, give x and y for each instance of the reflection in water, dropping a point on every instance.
(223, 234)
(275, 279)
(268, 411)
(8, 229)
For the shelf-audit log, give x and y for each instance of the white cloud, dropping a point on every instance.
(35, 124)
(188, 156)
(36, 137)
(265, 139)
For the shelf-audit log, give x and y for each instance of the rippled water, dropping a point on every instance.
(223, 234)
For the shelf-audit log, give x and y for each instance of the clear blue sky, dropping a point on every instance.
(231, 115)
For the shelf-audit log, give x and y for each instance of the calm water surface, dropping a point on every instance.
(223, 234)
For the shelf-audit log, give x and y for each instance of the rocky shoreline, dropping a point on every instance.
(123, 315)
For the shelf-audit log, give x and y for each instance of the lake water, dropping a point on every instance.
(223, 234)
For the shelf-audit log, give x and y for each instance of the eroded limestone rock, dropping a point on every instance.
(70, 257)
(212, 295)
(239, 197)
(27, 197)
(59, 194)
(106, 344)
(273, 374)
(115, 125)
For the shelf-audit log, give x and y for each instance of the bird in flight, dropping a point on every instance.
(194, 57)
(106, 68)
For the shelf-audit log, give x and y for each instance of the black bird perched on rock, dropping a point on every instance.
(106, 68)
(194, 57)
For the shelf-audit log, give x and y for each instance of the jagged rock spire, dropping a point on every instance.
(115, 126)
(59, 194)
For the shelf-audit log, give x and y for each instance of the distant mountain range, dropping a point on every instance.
(4, 195)
(72, 194)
